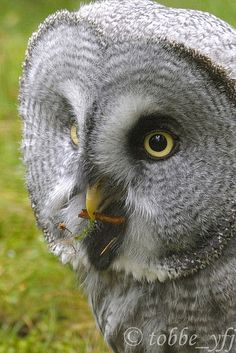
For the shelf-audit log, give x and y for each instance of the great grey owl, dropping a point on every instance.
(129, 111)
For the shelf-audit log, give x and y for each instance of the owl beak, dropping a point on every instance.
(94, 199)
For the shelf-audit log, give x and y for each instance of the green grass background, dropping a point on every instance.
(41, 307)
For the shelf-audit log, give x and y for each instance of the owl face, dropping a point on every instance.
(156, 126)
(166, 149)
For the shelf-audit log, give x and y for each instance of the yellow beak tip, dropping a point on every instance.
(92, 216)
(94, 198)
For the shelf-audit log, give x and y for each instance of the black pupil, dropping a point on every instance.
(158, 143)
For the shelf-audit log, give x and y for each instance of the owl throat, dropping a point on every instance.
(176, 265)
(102, 249)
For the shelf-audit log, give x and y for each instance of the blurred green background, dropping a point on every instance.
(42, 308)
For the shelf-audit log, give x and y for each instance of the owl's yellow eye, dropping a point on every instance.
(159, 144)
(74, 134)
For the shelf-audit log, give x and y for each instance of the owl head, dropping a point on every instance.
(137, 125)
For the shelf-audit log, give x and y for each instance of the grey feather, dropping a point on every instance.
(108, 68)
